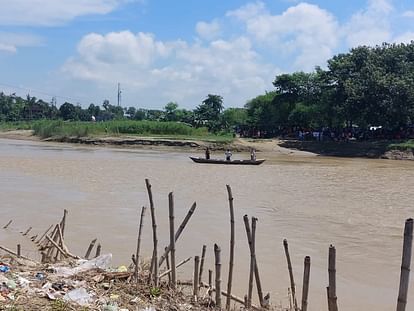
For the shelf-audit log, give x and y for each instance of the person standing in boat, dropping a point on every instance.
(253, 154)
(228, 154)
(208, 153)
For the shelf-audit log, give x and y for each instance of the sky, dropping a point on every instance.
(180, 51)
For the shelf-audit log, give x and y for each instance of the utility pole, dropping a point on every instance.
(119, 94)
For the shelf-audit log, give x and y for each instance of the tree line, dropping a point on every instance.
(368, 86)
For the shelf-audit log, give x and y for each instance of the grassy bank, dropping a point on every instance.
(166, 130)
(404, 145)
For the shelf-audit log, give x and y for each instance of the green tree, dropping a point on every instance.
(209, 113)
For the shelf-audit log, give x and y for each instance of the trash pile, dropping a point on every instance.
(85, 285)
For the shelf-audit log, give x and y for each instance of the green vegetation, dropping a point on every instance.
(406, 145)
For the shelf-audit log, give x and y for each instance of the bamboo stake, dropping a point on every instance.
(8, 224)
(154, 236)
(305, 289)
(332, 278)
(405, 265)
(43, 235)
(203, 255)
(292, 281)
(231, 261)
(27, 231)
(60, 249)
(172, 240)
(89, 250)
(256, 269)
(196, 275)
(19, 250)
(54, 237)
(177, 266)
(167, 262)
(249, 240)
(217, 251)
(210, 282)
(15, 254)
(141, 224)
(98, 251)
(179, 231)
(63, 222)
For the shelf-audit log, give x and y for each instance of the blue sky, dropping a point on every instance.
(162, 51)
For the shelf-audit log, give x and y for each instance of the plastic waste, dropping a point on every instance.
(101, 262)
(23, 282)
(11, 284)
(78, 295)
(110, 307)
(122, 269)
(40, 276)
(150, 308)
(4, 268)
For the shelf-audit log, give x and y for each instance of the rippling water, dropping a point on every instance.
(358, 205)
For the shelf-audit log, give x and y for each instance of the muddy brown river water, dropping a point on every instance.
(358, 205)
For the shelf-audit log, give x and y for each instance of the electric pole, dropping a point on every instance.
(119, 94)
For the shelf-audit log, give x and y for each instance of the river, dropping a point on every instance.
(358, 205)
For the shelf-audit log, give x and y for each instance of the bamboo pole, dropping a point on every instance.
(154, 260)
(176, 267)
(210, 282)
(173, 283)
(167, 262)
(256, 269)
(43, 235)
(231, 261)
(63, 222)
(8, 224)
(141, 224)
(179, 231)
(251, 271)
(60, 249)
(332, 279)
(305, 289)
(53, 236)
(19, 250)
(196, 275)
(98, 251)
(292, 281)
(203, 255)
(89, 250)
(27, 231)
(405, 265)
(217, 251)
(15, 254)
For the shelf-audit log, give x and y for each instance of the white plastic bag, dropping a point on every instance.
(78, 295)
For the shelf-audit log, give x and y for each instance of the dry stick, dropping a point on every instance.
(292, 281)
(305, 289)
(167, 261)
(179, 231)
(332, 279)
(60, 249)
(203, 255)
(154, 237)
(231, 261)
(196, 275)
(256, 269)
(89, 250)
(217, 251)
(53, 236)
(19, 250)
(27, 231)
(249, 240)
(43, 235)
(5, 227)
(60, 241)
(210, 282)
(405, 265)
(141, 224)
(177, 266)
(172, 240)
(98, 251)
(63, 222)
(13, 253)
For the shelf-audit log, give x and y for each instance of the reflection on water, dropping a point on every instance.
(358, 205)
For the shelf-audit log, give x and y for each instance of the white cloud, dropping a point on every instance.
(208, 31)
(174, 70)
(408, 14)
(51, 12)
(370, 26)
(305, 30)
(404, 38)
(10, 42)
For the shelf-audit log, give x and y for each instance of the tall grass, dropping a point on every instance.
(406, 145)
(173, 130)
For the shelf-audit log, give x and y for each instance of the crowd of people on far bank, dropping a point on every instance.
(334, 134)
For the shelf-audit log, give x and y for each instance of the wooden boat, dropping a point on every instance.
(219, 161)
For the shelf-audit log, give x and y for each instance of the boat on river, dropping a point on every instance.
(235, 162)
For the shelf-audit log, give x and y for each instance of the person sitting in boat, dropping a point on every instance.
(253, 155)
(228, 154)
(207, 153)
